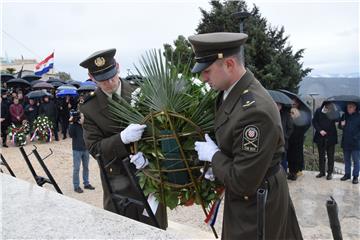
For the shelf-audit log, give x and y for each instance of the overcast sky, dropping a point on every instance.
(328, 30)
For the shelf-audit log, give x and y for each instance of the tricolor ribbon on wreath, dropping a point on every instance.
(212, 215)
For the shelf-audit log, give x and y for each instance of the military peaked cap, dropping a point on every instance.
(101, 64)
(209, 47)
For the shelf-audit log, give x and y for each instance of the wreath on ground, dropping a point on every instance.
(18, 134)
(42, 129)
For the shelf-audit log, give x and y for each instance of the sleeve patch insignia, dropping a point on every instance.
(251, 136)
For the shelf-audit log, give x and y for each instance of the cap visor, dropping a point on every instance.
(199, 67)
(106, 76)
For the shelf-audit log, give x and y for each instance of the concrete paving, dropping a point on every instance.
(309, 195)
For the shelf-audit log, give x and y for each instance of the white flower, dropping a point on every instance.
(197, 81)
(206, 88)
(135, 97)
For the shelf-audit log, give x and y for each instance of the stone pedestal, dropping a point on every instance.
(29, 211)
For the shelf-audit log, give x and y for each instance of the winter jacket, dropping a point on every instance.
(351, 131)
(322, 122)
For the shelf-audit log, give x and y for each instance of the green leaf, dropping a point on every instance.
(171, 199)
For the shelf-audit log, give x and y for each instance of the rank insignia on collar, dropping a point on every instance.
(251, 136)
(247, 99)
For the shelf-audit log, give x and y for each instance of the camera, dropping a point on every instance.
(74, 115)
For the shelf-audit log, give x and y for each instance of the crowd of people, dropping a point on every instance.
(16, 107)
(326, 120)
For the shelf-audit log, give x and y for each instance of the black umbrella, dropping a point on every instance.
(57, 84)
(86, 88)
(342, 100)
(134, 79)
(31, 77)
(74, 83)
(43, 85)
(50, 80)
(38, 94)
(301, 116)
(280, 97)
(32, 83)
(17, 82)
(6, 77)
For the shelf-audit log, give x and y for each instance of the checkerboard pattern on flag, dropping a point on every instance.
(45, 65)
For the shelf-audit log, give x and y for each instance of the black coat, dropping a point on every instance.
(31, 112)
(287, 125)
(322, 122)
(5, 114)
(49, 109)
(351, 131)
(101, 136)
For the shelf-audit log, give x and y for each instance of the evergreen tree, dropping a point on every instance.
(64, 76)
(181, 55)
(267, 51)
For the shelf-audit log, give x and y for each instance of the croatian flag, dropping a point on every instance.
(45, 65)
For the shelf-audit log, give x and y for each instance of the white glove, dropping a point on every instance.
(132, 133)
(206, 150)
(139, 160)
(209, 175)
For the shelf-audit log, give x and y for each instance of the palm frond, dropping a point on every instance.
(123, 112)
(164, 88)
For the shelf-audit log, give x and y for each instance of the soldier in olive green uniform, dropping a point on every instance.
(106, 137)
(249, 141)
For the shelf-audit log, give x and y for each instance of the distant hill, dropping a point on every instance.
(327, 87)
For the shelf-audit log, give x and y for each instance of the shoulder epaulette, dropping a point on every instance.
(247, 99)
(88, 97)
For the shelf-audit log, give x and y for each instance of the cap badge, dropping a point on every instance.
(100, 61)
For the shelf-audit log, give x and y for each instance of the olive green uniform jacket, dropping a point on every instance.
(249, 134)
(102, 136)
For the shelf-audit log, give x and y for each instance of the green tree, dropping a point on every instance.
(10, 70)
(267, 51)
(182, 55)
(64, 76)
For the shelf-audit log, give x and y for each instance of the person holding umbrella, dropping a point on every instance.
(4, 116)
(49, 109)
(350, 143)
(65, 105)
(288, 127)
(283, 103)
(31, 112)
(17, 113)
(295, 153)
(325, 138)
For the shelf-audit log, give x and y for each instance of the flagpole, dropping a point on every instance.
(53, 70)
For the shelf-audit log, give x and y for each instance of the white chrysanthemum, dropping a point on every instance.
(135, 97)
(196, 81)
